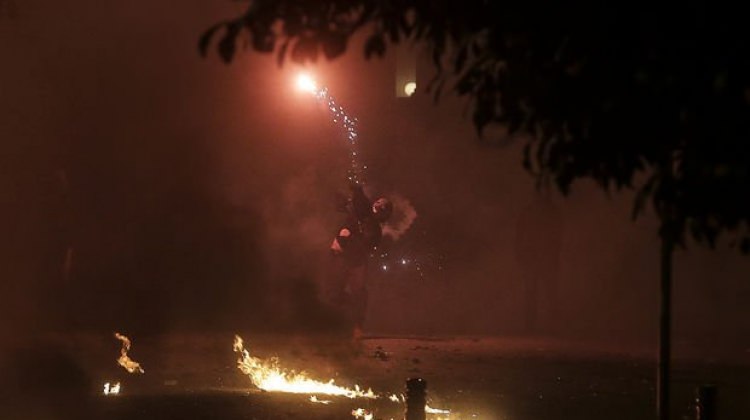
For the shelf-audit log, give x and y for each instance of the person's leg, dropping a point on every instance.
(357, 298)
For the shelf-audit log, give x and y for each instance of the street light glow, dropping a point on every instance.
(410, 88)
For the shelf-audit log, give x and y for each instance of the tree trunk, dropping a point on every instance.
(665, 321)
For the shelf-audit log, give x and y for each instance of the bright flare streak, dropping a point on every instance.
(269, 376)
(314, 399)
(129, 364)
(111, 389)
(306, 83)
(361, 413)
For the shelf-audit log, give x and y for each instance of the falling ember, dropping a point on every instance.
(269, 376)
(314, 399)
(113, 389)
(129, 364)
(361, 413)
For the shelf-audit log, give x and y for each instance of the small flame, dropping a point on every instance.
(396, 398)
(361, 413)
(113, 389)
(314, 399)
(269, 376)
(129, 364)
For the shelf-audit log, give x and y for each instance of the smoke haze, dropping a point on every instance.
(147, 189)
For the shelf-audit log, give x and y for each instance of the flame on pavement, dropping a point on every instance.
(129, 364)
(269, 376)
(314, 399)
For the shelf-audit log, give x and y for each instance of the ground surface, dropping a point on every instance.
(195, 377)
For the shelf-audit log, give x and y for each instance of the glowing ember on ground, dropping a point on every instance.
(361, 413)
(130, 365)
(113, 389)
(314, 399)
(269, 376)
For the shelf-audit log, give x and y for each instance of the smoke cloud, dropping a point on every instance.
(404, 215)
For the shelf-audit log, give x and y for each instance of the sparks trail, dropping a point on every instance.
(356, 170)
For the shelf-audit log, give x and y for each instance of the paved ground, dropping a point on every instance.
(195, 377)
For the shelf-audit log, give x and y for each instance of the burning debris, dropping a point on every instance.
(269, 376)
(129, 364)
(113, 389)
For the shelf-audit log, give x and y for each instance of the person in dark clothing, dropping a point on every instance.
(358, 237)
(362, 231)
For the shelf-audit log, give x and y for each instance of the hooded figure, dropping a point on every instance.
(362, 231)
(357, 238)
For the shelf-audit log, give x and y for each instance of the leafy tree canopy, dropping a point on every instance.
(603, 90)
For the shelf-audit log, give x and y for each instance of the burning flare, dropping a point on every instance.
(269, 376)
(307, 84)
(129, 364)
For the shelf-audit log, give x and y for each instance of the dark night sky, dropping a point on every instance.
(197, 195)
